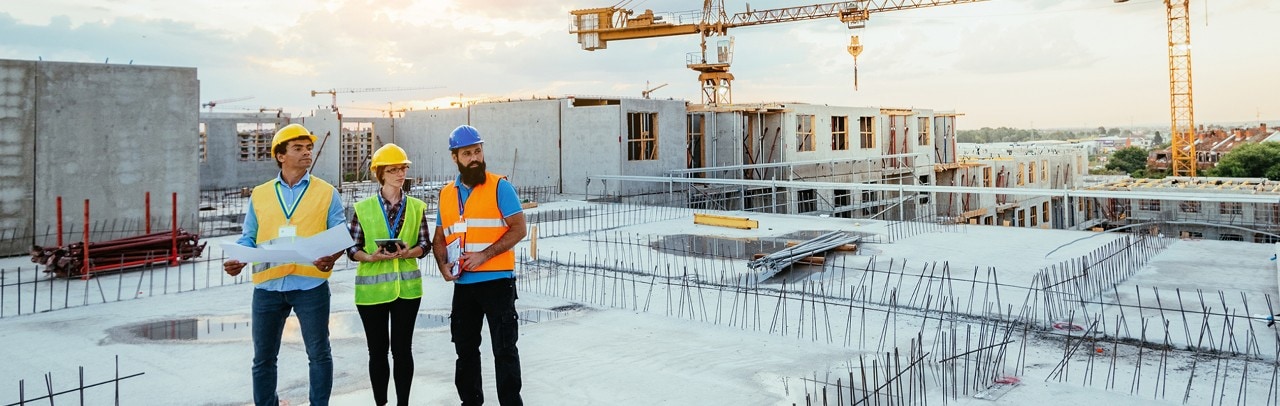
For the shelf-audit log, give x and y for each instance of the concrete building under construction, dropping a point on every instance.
(850, 162)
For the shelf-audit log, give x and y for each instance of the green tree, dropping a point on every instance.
(1128, 159)
(1157, 139)
(1250, 161)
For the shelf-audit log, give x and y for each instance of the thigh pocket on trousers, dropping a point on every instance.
(510, 330)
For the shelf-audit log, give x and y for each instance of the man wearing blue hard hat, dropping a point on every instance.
(478, 223)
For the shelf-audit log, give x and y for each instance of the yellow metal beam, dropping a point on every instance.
(725, 221)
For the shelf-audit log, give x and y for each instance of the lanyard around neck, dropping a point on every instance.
(289, 209)
(382, 205)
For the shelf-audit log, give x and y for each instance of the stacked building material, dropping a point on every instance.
(771, 264)
(118, 255)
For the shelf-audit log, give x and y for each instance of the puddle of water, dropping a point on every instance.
(701, 245)
(341, 325)
(811, 234)
(214, 329)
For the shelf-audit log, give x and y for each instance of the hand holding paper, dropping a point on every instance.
(454, 251)
(300, 250)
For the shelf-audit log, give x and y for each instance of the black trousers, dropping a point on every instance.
(473, 303)
(401, 313)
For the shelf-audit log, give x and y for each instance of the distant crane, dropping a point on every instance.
(212, 103)
(334, 92)
(391, 112)
(645, 93)
(595, 27)
(279, 110)
(1182, 131)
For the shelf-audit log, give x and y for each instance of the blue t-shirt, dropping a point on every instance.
(508, 204)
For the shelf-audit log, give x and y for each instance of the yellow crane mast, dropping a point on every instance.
(1182, 116)
(1182, 127)
(595, 27)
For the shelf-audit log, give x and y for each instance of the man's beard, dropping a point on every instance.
(473, 175)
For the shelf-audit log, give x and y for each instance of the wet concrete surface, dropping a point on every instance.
(341, 325)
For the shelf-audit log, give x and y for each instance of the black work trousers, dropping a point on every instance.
(473, 303)
(401, 314)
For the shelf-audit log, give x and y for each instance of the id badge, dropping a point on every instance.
(287, 231)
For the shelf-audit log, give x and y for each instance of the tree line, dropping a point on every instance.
(1260, 160)
(1005, 134)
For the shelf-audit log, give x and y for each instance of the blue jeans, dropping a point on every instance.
(270, 309)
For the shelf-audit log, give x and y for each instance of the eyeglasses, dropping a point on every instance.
(396, 169)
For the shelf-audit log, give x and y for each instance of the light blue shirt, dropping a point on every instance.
(249, 236)
(508, 204)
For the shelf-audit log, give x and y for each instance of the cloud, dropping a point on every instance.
(1022, 48)
(285, 66)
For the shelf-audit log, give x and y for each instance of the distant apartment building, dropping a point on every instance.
(815, 143)
(357, 145)
(1044, 166)
(1210, 218)
(1213, 143)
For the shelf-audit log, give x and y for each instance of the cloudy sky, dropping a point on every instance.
(1017, 63)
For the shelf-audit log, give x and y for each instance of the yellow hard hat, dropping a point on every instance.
(289, 132)
(390, 154)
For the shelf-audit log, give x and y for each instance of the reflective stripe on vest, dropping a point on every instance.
(485, 224)
(311, 217)
(474, 222)
(362, 280)
(386, 281)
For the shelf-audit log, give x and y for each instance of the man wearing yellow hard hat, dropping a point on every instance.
(390, 231)
(294, 204)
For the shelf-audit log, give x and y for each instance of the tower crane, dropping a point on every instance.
(212, 103)
(1182, 127)
(649, 90)
(334, 92)
(595, 27)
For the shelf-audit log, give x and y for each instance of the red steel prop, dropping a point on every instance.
(165, 247)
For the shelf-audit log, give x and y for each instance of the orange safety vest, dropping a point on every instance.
(485, 224)
(311, 217)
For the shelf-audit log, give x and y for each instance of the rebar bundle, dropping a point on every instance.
(771, 264)
(119, 254)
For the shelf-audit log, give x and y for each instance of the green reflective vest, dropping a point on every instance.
(385, 281)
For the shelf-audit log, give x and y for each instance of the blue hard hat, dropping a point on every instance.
(464, 136)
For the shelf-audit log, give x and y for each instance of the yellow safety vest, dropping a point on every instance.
(485, 224)
(385, 281)
(310, 217)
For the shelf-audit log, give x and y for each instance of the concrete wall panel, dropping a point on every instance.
(521, 139)
(592, 147)
(111, 133)
(325, 125)
(424, 135)
(222, 167)
(17, 150)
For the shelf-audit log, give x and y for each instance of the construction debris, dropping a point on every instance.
(771, 264)
(118, 255)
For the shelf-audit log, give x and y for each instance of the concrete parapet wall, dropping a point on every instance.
(106, 133)
(17, 151)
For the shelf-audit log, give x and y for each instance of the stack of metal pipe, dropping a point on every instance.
(120, 254)
(771, 264)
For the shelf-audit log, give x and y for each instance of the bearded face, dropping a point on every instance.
(473, 174)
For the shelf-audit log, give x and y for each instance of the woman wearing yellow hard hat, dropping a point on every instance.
(390, 232)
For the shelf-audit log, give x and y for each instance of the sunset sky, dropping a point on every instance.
(1016, 63)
